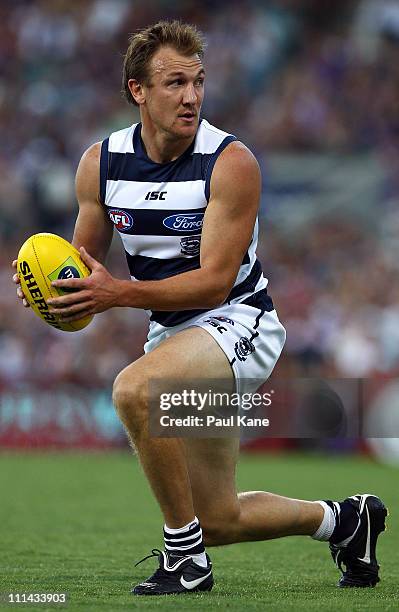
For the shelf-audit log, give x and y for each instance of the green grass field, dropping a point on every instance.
(76, 523)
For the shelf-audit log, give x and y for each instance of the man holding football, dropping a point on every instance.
(184, 197)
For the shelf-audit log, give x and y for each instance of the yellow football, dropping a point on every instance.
(42, 259)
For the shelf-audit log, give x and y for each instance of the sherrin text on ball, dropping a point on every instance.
(44, 258)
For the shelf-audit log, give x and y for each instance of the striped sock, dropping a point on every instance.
(186, 541)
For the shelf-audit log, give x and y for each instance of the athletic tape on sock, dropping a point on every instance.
(326, 528)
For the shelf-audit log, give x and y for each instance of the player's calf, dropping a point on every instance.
(219, 530)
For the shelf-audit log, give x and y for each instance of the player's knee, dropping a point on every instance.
(218, 530)
(130, 396)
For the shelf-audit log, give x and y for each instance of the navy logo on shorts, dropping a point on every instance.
(216, 323)
(224, 319)
(243, 348)
(190, 245)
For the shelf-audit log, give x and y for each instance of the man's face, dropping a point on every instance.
(174, 97)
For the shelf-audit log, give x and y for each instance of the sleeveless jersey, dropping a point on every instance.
(158, 211)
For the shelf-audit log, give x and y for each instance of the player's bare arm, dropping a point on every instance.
(93, 234)
(226, 234)
(93, 229)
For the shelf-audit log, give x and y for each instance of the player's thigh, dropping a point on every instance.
(194, 354)
(189, 355)
(212, 467)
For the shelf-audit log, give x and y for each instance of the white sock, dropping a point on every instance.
(327, 525)
(200, 559)
(183, 546)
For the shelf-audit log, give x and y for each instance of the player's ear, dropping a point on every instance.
(137, 91)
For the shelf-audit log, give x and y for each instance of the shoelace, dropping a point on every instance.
(155, 552)
(337, 557)
(159, 573)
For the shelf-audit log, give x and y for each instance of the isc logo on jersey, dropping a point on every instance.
(121, 219)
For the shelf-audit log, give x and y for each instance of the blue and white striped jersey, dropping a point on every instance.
(158, 211)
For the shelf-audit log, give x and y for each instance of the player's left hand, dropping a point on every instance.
(88, 296)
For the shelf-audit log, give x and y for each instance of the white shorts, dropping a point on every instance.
(252, 340)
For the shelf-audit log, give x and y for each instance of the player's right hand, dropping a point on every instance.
(16, 280)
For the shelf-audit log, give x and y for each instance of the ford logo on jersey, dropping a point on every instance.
(121, 219)
(184, 223)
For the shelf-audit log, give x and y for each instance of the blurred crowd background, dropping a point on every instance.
(311, 86)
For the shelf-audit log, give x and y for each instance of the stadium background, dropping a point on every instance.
(312, 87)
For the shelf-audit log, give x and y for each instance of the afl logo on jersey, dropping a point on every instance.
(184, 223)
(121, 219)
